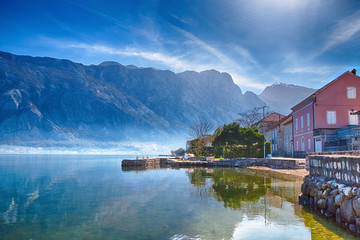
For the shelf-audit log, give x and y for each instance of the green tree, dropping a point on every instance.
(197, 147)
(232, 134)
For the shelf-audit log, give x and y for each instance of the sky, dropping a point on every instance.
(258, 42)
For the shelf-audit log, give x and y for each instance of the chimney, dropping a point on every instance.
(353, 71)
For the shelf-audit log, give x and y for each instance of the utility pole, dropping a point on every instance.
(263, 108)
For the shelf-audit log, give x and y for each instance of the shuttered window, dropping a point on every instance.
(351, 92)
(331, 117)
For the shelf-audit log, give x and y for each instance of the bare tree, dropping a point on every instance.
(250, 117)
(202, 127)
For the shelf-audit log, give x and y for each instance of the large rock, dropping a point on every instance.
(320, 194)
(339, 199)
(326, 192)
(334, 192)
(338, 215)
(347, 211)
(305, 188)
(348, 192)
(356, 205)
(354, 191)
(319, 185)
(331, 205)
(322, 203)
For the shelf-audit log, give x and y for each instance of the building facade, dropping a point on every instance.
(268, 122)
(281, 137)
(316, 119)
(286, 137)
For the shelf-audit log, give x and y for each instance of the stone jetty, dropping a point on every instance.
(333, 187)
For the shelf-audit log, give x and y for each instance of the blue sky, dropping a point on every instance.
(258, 42)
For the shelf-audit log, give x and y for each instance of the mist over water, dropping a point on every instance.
(93, 147)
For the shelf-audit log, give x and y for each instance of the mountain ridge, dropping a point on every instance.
(48, 98)
(281, 97)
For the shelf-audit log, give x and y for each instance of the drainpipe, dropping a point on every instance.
(264, 126)
(314, 121)
(292, 128)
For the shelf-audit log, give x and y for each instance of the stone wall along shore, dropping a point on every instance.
(333, 187)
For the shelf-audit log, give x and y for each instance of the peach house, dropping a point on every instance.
(316, 118)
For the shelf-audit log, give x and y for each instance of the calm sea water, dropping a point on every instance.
(92, 197)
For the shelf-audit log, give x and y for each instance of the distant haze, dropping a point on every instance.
(282, 97)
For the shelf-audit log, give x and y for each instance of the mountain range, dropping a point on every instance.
(281, 97)
(44, 98)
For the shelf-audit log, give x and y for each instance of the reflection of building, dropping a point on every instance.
(317, 118)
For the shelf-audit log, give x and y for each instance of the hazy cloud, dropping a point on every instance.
(175, 63)
(323, 70)
(343, 31)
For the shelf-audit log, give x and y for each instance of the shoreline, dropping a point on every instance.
(289, 167)
(299, 173)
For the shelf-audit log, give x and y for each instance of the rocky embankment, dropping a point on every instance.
(333, 199)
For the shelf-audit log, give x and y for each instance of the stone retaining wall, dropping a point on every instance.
(342, 168)
(151, 162)
(333, 199)
(333, 186)
(352, 153)
(243, 162)
(312, 154)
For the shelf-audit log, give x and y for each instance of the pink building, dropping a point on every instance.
(316, 118)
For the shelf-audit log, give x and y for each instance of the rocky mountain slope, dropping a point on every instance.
(282, 97)
(47, 98)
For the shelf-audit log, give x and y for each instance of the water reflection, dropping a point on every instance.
(92, 197)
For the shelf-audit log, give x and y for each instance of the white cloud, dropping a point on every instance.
(323, 70)
(343, 31)
(245, 54)
(248, 82)
(175, 63)
(228, 65)
(218, 54)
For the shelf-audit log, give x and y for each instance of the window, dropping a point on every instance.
(297, 145)
(331, 117)
(353, 119)
(309, 144)
(302, 144)
(308, 119)
(274, 133)
(302, 122)
(351, 92)
(296, 124)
